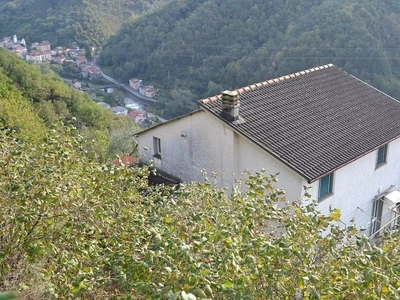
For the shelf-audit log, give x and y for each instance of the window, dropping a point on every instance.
(157, 147)
(381, 158)
(376, 220)
(325, 185)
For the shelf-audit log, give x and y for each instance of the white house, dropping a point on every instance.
(76, 84)
(34, 56)
(321, 128)
(37, 56)
(119, 110)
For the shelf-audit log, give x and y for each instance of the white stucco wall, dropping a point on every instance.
(356, 184)
(201, 141)
(212, 146)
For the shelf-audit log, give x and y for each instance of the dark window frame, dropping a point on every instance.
(157, 147)
(381, 156)
(323, 190)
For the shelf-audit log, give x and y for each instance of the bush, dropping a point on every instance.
(97, 231)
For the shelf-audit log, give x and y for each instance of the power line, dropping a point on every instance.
(244, 56)
(190, 50)
(179, 44)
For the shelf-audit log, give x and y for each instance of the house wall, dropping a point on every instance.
(202, 142)
(356, 184)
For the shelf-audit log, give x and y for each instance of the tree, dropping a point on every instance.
(181, 103)
(88, 52)
(122, 142)
(33, 98)
(115, 98)
(16, 112)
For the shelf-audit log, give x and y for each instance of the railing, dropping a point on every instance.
(384, 227)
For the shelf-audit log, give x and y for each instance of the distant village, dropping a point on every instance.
(41, 52)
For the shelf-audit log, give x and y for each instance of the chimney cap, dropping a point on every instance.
(230, 105)
(230, 93)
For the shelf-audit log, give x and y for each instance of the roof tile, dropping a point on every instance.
(316, 120)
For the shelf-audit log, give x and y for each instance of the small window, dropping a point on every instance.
(325, 185)
(381, 158)
(157, 147)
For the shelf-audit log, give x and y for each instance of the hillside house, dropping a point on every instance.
(125, 160)
(321, 128)
(135, 83)
(148, 91)
(119, 110)
(59, 59)
(137, 116)
(58, 51)
(20, 50)
(34, 56)
(91, 72)
(37, 56)
(43, 46)
(76, 84)
(95, 73)
(81, 60)
(76, 52)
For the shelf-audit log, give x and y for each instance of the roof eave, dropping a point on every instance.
(168, 122)
(269, 151)
(311, 180)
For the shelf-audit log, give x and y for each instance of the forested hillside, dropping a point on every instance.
(196, 48)
(33, 98)
(88, 22)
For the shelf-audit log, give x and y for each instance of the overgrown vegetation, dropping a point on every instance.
(75, 229)
(198, 48)
(33, 98)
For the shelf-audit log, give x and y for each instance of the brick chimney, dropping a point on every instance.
(230, 105)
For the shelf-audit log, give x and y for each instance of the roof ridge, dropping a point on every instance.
(254, 86)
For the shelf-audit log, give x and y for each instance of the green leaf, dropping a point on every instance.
(335, 214)
(8, 296)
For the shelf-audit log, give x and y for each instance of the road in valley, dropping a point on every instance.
(135, 95)
(133, 98)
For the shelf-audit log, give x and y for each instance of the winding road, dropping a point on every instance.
(132, 92)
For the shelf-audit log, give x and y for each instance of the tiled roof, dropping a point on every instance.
(134, 113)
(315, 121)
(125, 160)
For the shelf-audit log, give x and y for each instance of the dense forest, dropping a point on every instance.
(86, 22)
(196, 48)
(33, 98)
